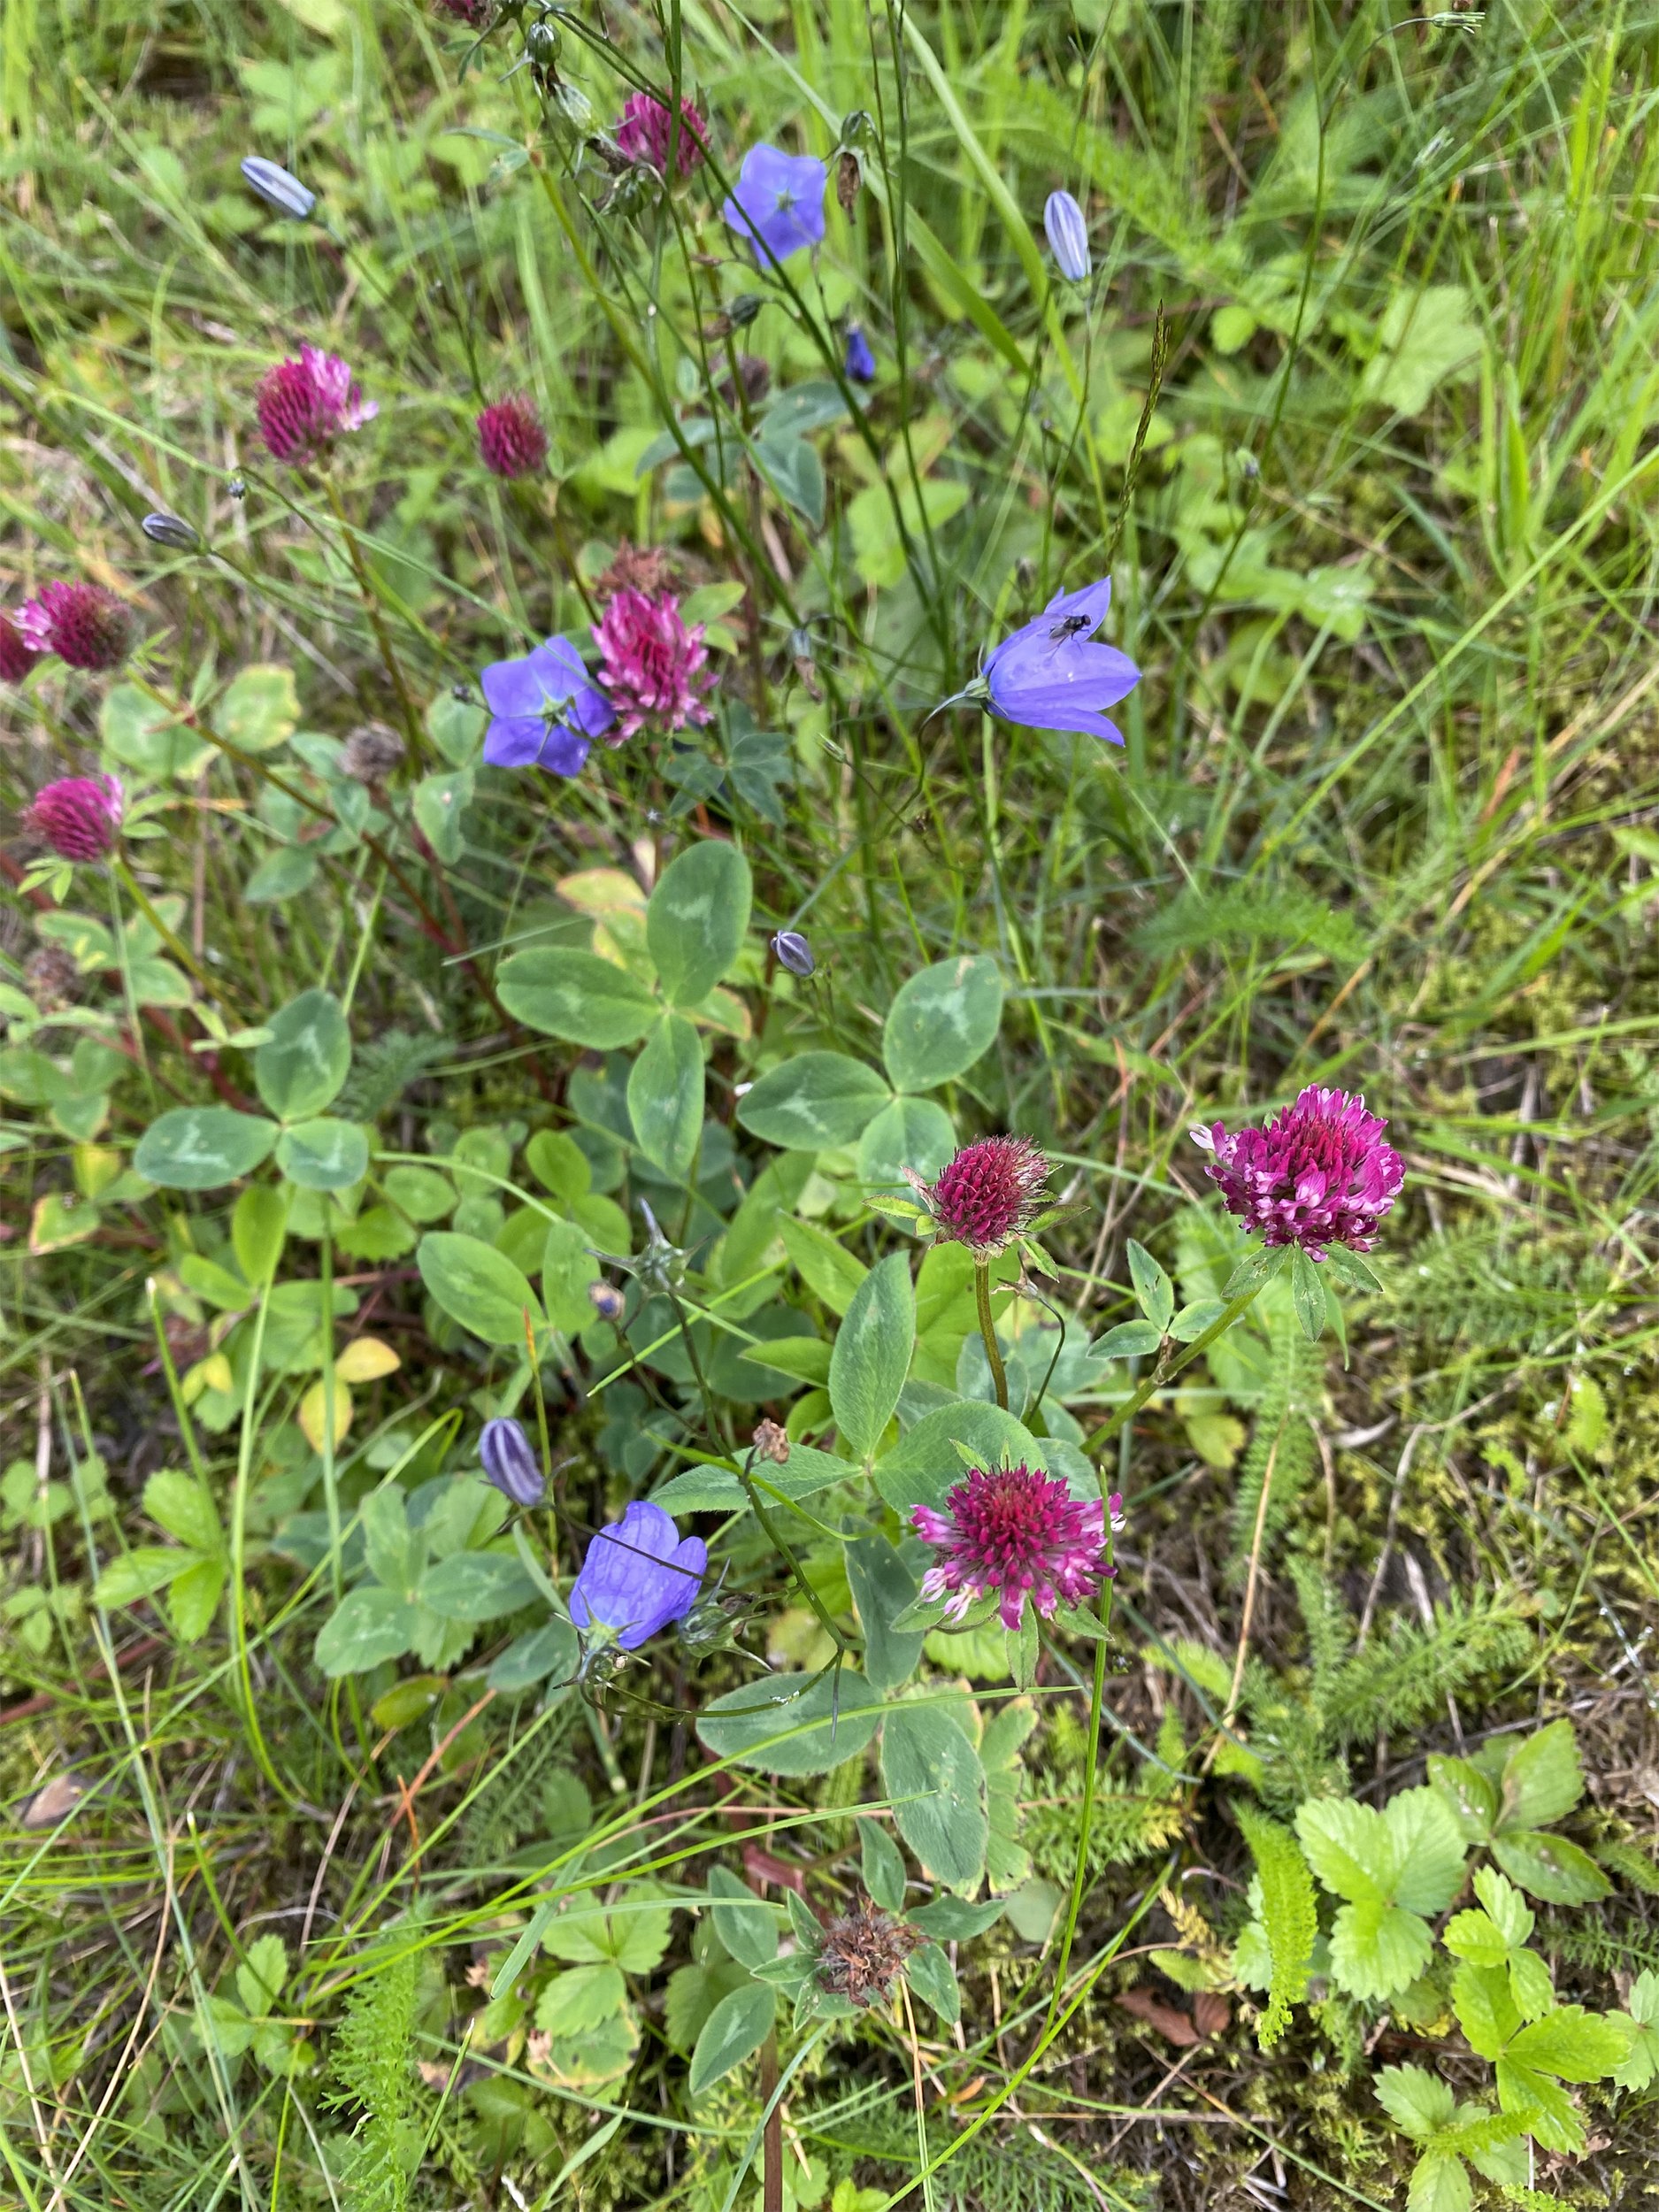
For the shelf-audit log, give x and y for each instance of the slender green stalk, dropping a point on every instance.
(987, 1330)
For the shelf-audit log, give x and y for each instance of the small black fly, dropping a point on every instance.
(1069, 626)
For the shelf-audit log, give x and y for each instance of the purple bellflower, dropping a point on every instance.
(778, 203)
(861, 362)
(1049, 676)
(545, 709)
(1067, 227)
(639, 1575)
(510, 1461)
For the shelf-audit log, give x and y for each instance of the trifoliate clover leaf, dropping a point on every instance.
(1642, 2063)
(1393, 1868)
(1496, 1939)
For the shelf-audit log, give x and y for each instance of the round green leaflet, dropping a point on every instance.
(477, 1286)
(302, 1065)
(794, 1724)
(324, 1154)
(564, 991)
(940, 1021)
(813, 1100)
(200, 1148)
(696, 918)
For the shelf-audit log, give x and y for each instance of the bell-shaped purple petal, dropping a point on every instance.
(639, 1575)
(546, 708)
(1049, 676)
(778, 202)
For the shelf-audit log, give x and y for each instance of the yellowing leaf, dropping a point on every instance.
(365, 1359)
(314, 1411)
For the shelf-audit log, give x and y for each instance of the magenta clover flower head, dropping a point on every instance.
(639, 1575)
(305, 405)
(510, 1461)
(83, 624)
(645, 128)
(1068, 237)
(511, 439)
(80, 817)
(778, 203)
(1049, 676)
(17, 655)
(990, 1195)
(650, 664)
(1011, 1531)
(546, 710)
(1319, 1172)
(860, 363)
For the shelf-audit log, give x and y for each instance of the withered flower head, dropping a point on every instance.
(864, 1952)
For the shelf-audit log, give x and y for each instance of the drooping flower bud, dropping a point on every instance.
(861, 362)
(278, 187)
(510, 1461)
(794, 952)
(1068, 237)
(172, 530)
(80, 817)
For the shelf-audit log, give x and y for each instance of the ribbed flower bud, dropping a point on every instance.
(172, 530)
(794, 952)
(510, 1461)
(1068, 237)
(278, 187)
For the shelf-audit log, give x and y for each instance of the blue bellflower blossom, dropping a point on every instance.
(778, 203)
(1068, 236)
(861, 362)
(545, 709)
(510, 1461)
(639, 1574)
(278, 187)
(1049, 677)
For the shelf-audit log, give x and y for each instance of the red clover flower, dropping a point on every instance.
(80, 817)
(511, 439)
(646, 127)
(1318, 1174)
(990, 1195)
(83, 624)
(1014, 1530)
(305, 405)
(651, 664)
(17, 655)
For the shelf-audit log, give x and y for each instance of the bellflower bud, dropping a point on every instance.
(794, 952)
(172, 530)
(276, 187)
(1068, 237)
(510, 1461)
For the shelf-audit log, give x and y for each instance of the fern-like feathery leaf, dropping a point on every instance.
(1290, 1917)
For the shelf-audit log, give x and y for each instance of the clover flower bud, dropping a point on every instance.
(864, 1952)
(1068, 237)
(510, 1461)
(990, 1195)
(646, 134)
(278, 187)
(511, 441)
(772, 1442)
(172, 530)
(794, 952)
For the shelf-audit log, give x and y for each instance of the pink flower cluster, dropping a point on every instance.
(990, 1195)
(510, 440)
(646, 127)
(305, 405)
(1318, 1174)
(79, 817)
(84, 624)
(1012, 1530)
(651, 666)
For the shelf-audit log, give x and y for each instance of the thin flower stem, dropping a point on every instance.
(546, 1448)
(370, 607)
(746, 1476)
(987, 1330)
(1171, 1364)
(1249, 1601)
